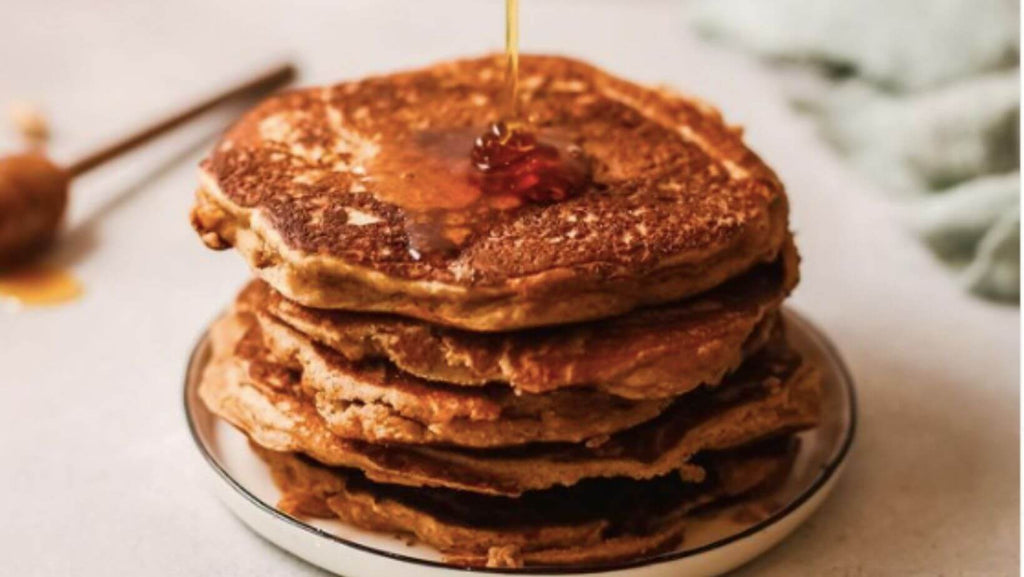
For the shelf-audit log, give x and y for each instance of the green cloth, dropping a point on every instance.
(976, 226)
(924, 97)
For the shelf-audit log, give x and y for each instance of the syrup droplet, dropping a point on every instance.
(511, 160)
(38, 285)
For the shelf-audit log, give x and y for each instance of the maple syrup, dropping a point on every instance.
(39, 285)
(510, 157)
(512, 161)
(457, 183)
(512, 56)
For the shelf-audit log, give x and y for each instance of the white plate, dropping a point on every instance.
(714, 544)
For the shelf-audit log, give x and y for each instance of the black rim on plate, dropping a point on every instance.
(828, 471)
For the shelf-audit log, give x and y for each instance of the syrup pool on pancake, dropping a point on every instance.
(455, 183)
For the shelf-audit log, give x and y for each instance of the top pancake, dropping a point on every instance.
(678, 203)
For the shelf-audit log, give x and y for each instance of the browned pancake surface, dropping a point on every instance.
(678, 203)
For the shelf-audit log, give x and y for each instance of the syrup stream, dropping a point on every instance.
(512, 57)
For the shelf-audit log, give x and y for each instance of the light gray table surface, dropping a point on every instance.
(99, 473)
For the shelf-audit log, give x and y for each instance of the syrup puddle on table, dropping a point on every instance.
(38, 286)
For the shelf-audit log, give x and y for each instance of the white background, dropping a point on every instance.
(99, 476)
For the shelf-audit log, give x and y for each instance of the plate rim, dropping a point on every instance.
(827, 473)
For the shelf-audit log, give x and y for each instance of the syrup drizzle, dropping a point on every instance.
(512, 57)
(510, 157)
(456, 183)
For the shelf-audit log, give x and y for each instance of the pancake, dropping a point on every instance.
(374, 401)
(323, 191)
(770, 395)
(594, 522)
(650, 353)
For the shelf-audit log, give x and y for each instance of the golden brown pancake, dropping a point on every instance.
(321, 190)
(649, 353)
(770, 395)
(373, 401)
(594, 522)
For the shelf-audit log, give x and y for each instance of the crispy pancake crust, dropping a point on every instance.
(591, 523)
(650, 353)
(679, 204)
(769, 396)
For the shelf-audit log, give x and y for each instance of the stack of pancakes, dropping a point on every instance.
(569, 383)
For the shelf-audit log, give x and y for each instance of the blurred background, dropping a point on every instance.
(893, 123)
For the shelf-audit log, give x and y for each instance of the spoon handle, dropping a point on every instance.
(265, 82)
